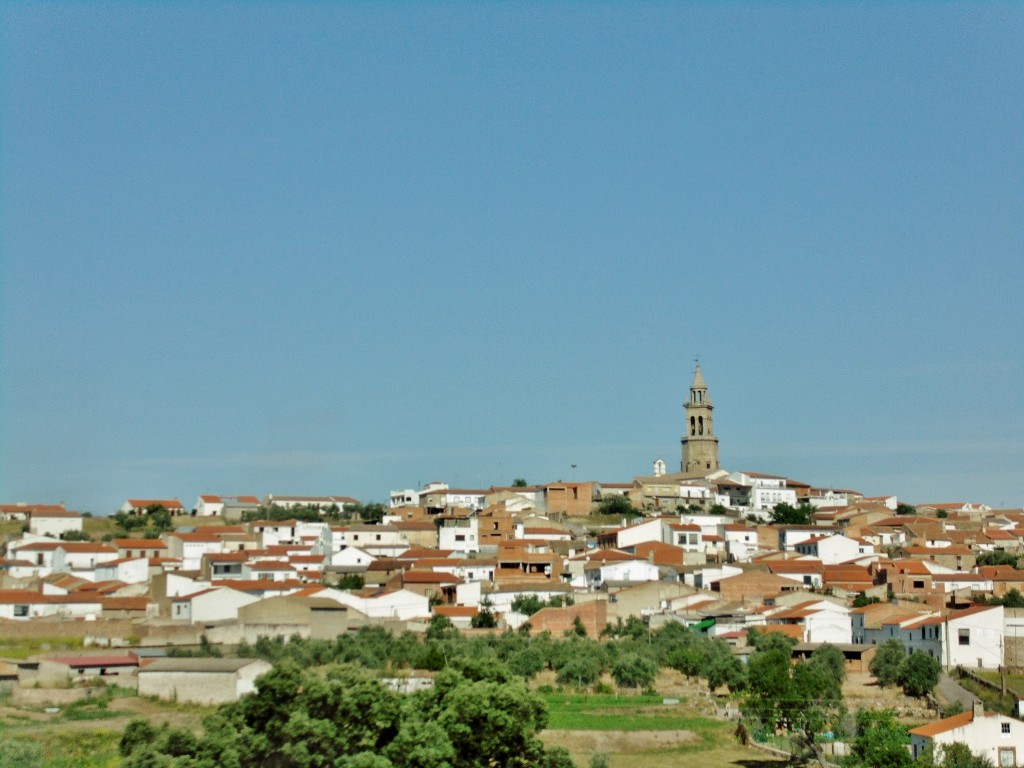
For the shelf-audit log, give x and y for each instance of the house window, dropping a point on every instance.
(964, 636)
(1005, 728)
(20, 610)
(1007, 757)
(918, 585)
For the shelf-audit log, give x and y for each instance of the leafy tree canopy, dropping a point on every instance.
(620, 506)
(300, 718)
(787, 514)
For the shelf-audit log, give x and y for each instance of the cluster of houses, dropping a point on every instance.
(701, 553)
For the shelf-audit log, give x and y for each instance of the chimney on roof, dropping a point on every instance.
(979, 708)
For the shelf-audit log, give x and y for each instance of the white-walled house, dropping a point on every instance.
(190, 547)
(598, 573)
(378, 540)
(459, 533)
(985, 734)
(741, 542)
(835, 549)
(80, 558)
(823, 621)
(213, 604)
(790, 536)
(140, 506)
(974, 638)
(18, 604)
(130, 570)
(349, 556)
(54, 522)
(766, 491)
(209, 505)
(401, 604)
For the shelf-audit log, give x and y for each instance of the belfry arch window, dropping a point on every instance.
(693, 430)
(700, 424)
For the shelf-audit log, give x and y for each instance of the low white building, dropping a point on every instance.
(209, 505)
(54, 522)
(130, 570)
(986, 734)
(203, 681)
(620, 571)
(401, 604)
(835, 549)
(213, 604)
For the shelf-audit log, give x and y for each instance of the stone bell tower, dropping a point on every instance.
(700, 446)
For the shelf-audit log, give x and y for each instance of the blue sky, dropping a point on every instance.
(344, 248)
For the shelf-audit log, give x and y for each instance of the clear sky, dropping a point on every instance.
(345, 248)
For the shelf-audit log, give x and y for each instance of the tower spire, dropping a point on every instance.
(700, 445)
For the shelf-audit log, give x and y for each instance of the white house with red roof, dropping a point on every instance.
(141, 506)
(210, 505)
(986, 734)
(835, 549)
(269, 570)
(974, 638)
(190, 547)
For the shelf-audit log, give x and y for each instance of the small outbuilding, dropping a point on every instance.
(200, 680)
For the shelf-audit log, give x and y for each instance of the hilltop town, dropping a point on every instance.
(725, 553)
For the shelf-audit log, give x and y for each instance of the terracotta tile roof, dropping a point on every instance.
(128, 660)
(165, 503)
(139, 544)
(429, 577)
(455, 611)
(941, 726)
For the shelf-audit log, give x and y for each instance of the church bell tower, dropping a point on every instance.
(700, 446)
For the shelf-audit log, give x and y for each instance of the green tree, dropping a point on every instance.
(803, 699)
(862, 599)
(787, 514)
(485, 618)
(830, 661)
(631, 670)
(880, 741)
(526, 663)
(616, 505)
(368, 513)
(723, 668)
(887, 662)
(582, 670)
(519, 482)
(137, 732)
(919, 674)
(905, 509)
(76, 536)
(997, 557)
(351, 581)
(1012, 599)
(527, 604)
